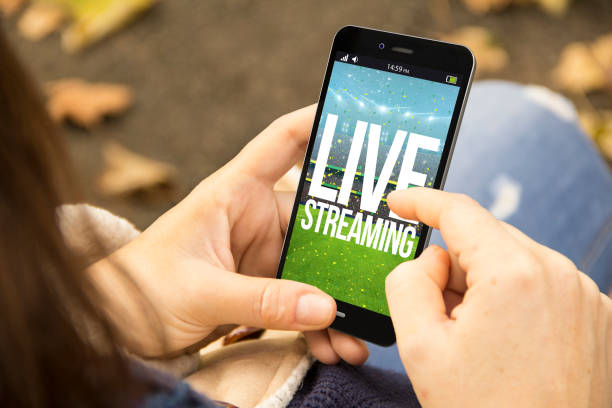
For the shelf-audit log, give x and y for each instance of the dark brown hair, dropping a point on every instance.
(45, 296)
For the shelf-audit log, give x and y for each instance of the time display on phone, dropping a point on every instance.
(398, 68)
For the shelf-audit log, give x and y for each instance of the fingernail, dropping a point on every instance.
(313, 310)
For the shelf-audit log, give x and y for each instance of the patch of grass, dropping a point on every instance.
(347, 271)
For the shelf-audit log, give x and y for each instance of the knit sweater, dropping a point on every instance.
(324, 386)
(343, 385)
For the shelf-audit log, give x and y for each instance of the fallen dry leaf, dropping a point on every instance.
(486, 6)
(94, 20)
(9, 7)
(605, 145)
(602, 51)
(127, 172)
(553, 7)
(86, 104)
(598, 125)
(489, 56)
(590, 122)
(40, 20)
(604, 136)
(580, 70)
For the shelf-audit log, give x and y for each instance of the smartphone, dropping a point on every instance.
(387, 119)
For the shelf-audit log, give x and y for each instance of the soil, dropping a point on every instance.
(209, 75)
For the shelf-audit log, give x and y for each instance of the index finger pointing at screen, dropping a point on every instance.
(470, 232)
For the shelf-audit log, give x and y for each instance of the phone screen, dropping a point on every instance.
(383, 126)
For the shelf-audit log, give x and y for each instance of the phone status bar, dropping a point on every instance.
(399, 68)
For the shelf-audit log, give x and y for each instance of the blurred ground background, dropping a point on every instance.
(207, 76)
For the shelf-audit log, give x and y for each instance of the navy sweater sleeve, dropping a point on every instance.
(343, 385)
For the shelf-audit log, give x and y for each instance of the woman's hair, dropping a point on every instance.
(45, 296)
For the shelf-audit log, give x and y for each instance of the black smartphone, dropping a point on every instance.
(388, 117)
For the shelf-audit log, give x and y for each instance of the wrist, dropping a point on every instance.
(124, 305)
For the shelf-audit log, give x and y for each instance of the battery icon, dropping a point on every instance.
(451, 79)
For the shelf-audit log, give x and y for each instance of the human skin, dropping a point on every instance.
(212, 259)
(497, 320)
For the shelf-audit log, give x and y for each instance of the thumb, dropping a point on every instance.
(271, 303)
(414, 293)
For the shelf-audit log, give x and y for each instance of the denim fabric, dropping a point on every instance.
(521, 154)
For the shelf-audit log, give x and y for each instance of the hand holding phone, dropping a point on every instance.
(221, 244)
(387, 120)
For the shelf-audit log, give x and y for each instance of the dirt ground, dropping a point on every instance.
(209, 75)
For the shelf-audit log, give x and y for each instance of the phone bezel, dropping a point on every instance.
(457, 59)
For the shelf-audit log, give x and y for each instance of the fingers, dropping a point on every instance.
(329, 346)
(470, 232)
(284, 203)
(321, 347)
(282, 144)
(352, 350)
(414, 293)
(456, 278)
(452, 299)
(290, 180)
(269, 303)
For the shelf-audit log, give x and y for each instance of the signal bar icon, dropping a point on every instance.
(345, 58)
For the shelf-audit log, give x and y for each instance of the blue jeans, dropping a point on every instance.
(521, 154)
